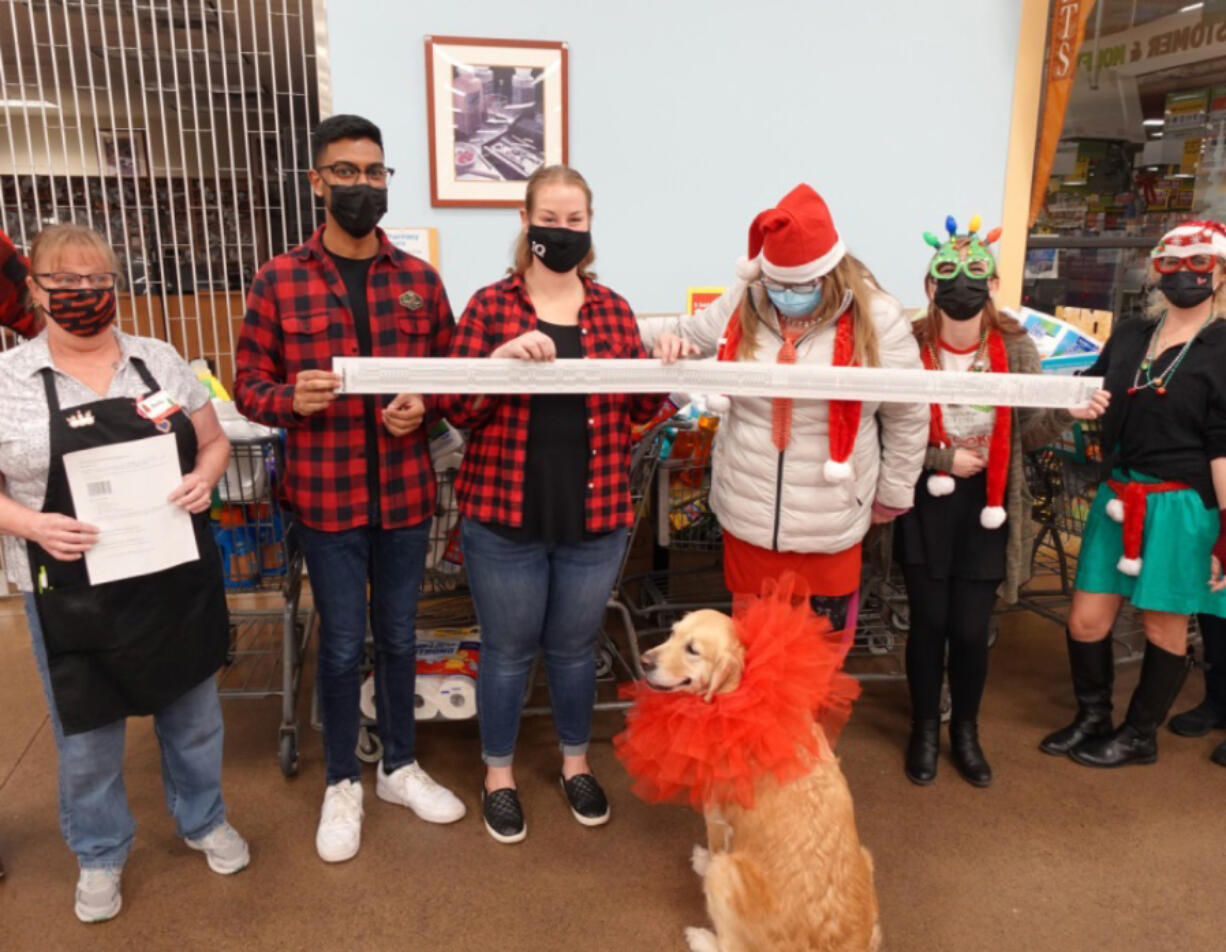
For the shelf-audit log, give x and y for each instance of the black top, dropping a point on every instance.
(354, 272)
(1170, 436)
(556, 466)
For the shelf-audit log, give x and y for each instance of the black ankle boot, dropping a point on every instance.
(1136, 740)
(967, 754)
(1209, 714)
(1093, 667)
(922, 751)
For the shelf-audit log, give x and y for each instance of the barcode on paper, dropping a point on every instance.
(100, 488)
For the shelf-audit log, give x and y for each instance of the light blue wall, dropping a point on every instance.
(690, 117)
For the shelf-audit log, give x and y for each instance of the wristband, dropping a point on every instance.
(889, 512)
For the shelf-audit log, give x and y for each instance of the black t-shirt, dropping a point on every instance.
(1170, 436)
(354, 272)
(556, 465)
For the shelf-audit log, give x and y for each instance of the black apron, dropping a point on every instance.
(132, 646)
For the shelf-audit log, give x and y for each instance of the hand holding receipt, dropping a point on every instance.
(123, 489)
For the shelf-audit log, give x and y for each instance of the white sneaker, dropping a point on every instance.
(340, 823)
(98, 896)
(223, 847)
(411, 787)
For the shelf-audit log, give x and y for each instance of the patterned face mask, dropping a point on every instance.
(82, 311)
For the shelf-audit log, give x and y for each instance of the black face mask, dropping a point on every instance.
(1186, 288)
(559, 249)
(358, 208)
(960, 297)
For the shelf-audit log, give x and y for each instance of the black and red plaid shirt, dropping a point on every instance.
(14, 314)
(298, 318)
(490, 487)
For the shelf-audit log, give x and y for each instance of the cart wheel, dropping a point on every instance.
(604, 663)
(370, 748)
(289, 754)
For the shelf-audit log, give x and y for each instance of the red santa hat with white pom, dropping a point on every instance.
(793, 243)
(796, 243)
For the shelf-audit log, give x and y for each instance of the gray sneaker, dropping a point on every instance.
(223, 847)
(98, 893)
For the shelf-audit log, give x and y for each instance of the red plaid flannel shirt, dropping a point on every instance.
(490, 486)
(13, 311)
(298, 318)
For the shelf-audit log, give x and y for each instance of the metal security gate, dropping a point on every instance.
(177, 128)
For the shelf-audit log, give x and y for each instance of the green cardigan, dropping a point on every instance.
(1033, 428)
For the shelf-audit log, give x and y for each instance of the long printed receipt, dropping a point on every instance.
(122, 489)
(733, 379)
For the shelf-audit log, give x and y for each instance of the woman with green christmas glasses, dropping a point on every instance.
(1156, 534)
(969, 536)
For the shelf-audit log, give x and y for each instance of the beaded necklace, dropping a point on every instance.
(1144, 369)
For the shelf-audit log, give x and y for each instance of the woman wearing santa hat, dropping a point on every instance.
(796, 483)
(970, 534)
(1156, 534)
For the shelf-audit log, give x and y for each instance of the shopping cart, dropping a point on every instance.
(1063, 479)
(671, 476)
(263, 569)
(687, 573)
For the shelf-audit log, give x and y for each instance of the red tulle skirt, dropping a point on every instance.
(682, 749)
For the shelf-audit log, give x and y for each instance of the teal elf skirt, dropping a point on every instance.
(1175, 547)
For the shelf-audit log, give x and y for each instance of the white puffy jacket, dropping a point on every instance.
(782, 500)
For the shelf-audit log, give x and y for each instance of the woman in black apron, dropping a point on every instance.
(144, 644)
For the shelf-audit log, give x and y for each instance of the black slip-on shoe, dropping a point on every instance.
(503, 816)
(587, 801)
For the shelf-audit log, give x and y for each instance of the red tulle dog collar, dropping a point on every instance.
(682, 749)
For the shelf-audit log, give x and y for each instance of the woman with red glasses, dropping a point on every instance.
(1156, 534)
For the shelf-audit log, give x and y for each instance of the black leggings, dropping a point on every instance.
(954, 611)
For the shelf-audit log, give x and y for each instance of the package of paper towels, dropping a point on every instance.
(451, 696)
(446, 678)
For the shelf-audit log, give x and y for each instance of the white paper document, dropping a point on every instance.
(122, 489)
(730, 378)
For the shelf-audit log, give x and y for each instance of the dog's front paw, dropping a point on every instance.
(700, 859)
(701, 940)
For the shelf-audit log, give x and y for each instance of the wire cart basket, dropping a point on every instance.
(263, 569)
(1063, 479)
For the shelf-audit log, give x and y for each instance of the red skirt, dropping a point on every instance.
(747, 567)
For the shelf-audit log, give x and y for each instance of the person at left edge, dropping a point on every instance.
(13, 311)
(149, 644)
(358, 476)
(16, 310)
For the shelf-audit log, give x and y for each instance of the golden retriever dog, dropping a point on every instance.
(788, 875)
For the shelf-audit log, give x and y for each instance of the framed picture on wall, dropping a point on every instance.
(122, 152)
(497, 111)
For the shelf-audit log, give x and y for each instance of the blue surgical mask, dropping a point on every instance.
(791, 303)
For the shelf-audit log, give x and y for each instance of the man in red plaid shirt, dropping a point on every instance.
(15, 312)
(357, 470)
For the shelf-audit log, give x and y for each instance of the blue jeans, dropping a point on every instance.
(94, 815)
(340, 565)
(534, 597)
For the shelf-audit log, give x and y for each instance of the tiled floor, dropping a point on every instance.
(1052, 857)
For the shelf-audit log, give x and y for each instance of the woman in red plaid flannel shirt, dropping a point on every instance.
(544, 492)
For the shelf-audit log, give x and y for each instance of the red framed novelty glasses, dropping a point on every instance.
(1169, 264)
